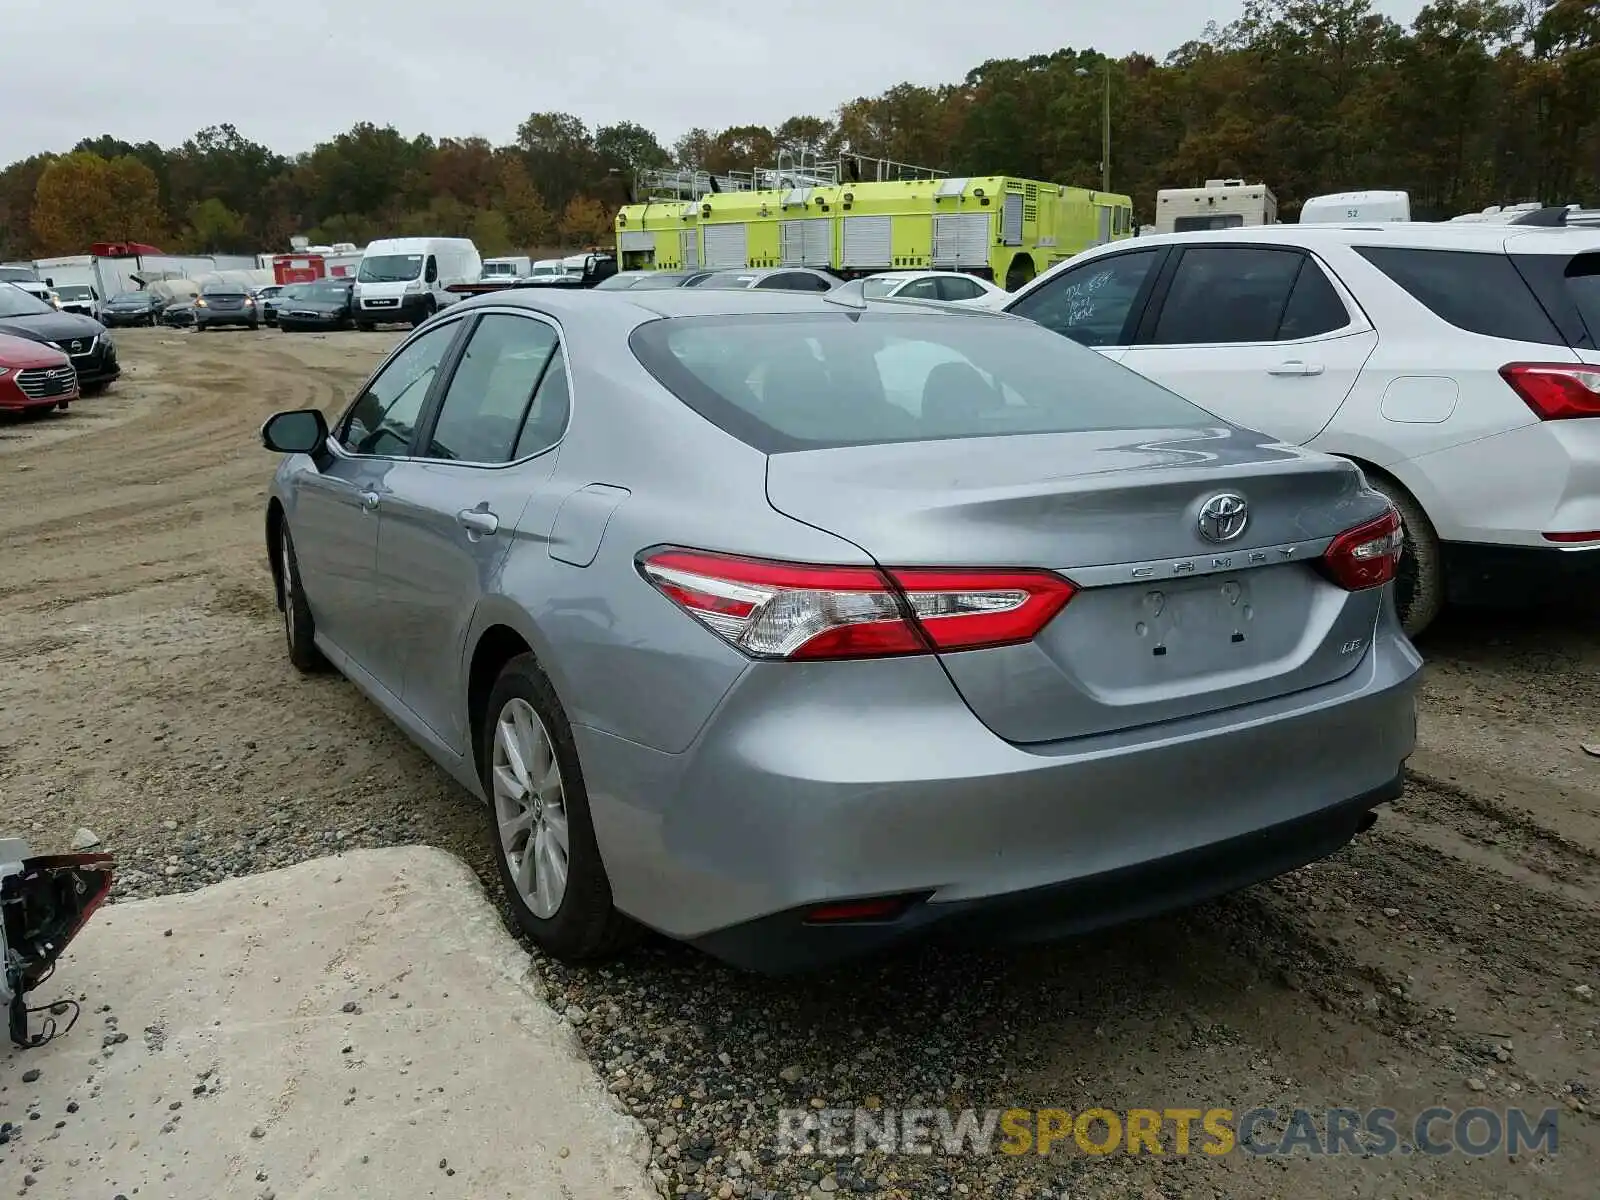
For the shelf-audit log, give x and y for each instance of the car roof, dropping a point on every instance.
(1421, 235)
(637, 307)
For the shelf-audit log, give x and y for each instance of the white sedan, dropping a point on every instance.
(950, 286)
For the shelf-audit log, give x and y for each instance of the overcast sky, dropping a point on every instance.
(290, 73)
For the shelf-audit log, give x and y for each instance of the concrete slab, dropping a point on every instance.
(350, 1027)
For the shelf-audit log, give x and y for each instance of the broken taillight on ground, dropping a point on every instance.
(44, 901)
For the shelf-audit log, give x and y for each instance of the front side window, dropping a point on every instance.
(384, 419)
(798, 382)
(485, 407)
(1090, 304)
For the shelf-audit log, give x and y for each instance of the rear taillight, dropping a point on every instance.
(1366, 556)
(799, 611)
(1556, 391)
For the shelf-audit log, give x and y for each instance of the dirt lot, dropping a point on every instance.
(1451, 957)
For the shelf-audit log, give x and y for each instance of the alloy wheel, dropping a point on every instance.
(530, 808)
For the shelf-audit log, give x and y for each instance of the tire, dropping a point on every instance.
(1419, 583)
(299, 630)
(364, 326)
(427, 314)
(254, 326)
(63, 405)
(581, 923)
(94, 389)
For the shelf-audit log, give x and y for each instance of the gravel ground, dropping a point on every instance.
(1450, 957)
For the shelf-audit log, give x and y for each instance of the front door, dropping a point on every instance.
(1097, 303)
(452, 514)
(338, 509)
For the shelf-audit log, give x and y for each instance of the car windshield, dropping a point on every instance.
(75, 291)
(18, 275)
(390, 268)
(325, 291)
(657, 282)
(547, 269)
(14, 302)
(807, 381)
(222, 289)
(132, 298)
(877, 289)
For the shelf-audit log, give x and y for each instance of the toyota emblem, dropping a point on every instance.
(1223, 517)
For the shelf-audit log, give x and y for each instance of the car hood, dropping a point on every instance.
(327, 306)
(24, 352)
(52, 327)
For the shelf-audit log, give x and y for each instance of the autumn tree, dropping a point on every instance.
(82, 198)
(585, 222)
(528, 221)
(558, 154)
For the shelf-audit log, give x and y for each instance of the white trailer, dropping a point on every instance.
(1221, 204)
(1356, 206)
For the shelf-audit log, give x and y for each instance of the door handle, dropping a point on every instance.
(369, 501)
(477, 522)
(1296, 367)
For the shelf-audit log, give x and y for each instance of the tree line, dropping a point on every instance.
(1476, 102)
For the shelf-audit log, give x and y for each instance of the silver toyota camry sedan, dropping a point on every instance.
(795, 626)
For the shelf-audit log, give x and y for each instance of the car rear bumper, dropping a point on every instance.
(875, 779)
(211, 319)
(1516, 576)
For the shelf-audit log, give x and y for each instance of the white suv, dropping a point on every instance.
(1457, 364)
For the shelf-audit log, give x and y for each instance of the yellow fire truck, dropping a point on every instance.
(858, 216)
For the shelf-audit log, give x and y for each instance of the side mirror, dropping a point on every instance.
(49, 283)
(303, 431)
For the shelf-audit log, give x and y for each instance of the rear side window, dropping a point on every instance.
(814, 380)
(1227, 294)
(1480, 293)
(1569, 289)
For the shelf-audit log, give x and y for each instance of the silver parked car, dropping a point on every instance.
(792, 626)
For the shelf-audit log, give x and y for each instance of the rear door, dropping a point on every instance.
(1260, 335)
(1097, 303)
(452, 511)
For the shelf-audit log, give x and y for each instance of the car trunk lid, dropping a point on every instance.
(1166, 624)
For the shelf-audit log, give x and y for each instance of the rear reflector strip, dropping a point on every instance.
(882, 908)
(1592, 536)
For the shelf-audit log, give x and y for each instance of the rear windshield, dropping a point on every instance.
(814, 380)
(1481, 293)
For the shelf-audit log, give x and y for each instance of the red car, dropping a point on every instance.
(34, 376)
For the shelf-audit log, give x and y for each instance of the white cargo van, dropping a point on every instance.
(408, 279)
(1356, 206)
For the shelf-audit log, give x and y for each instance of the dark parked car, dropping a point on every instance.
(83, 339)
(133, 308)
(325, 304)
(222, 304)
(179, 314)
(769, 279)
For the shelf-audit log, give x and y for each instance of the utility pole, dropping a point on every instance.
(1105, 136)
(1105, 126)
